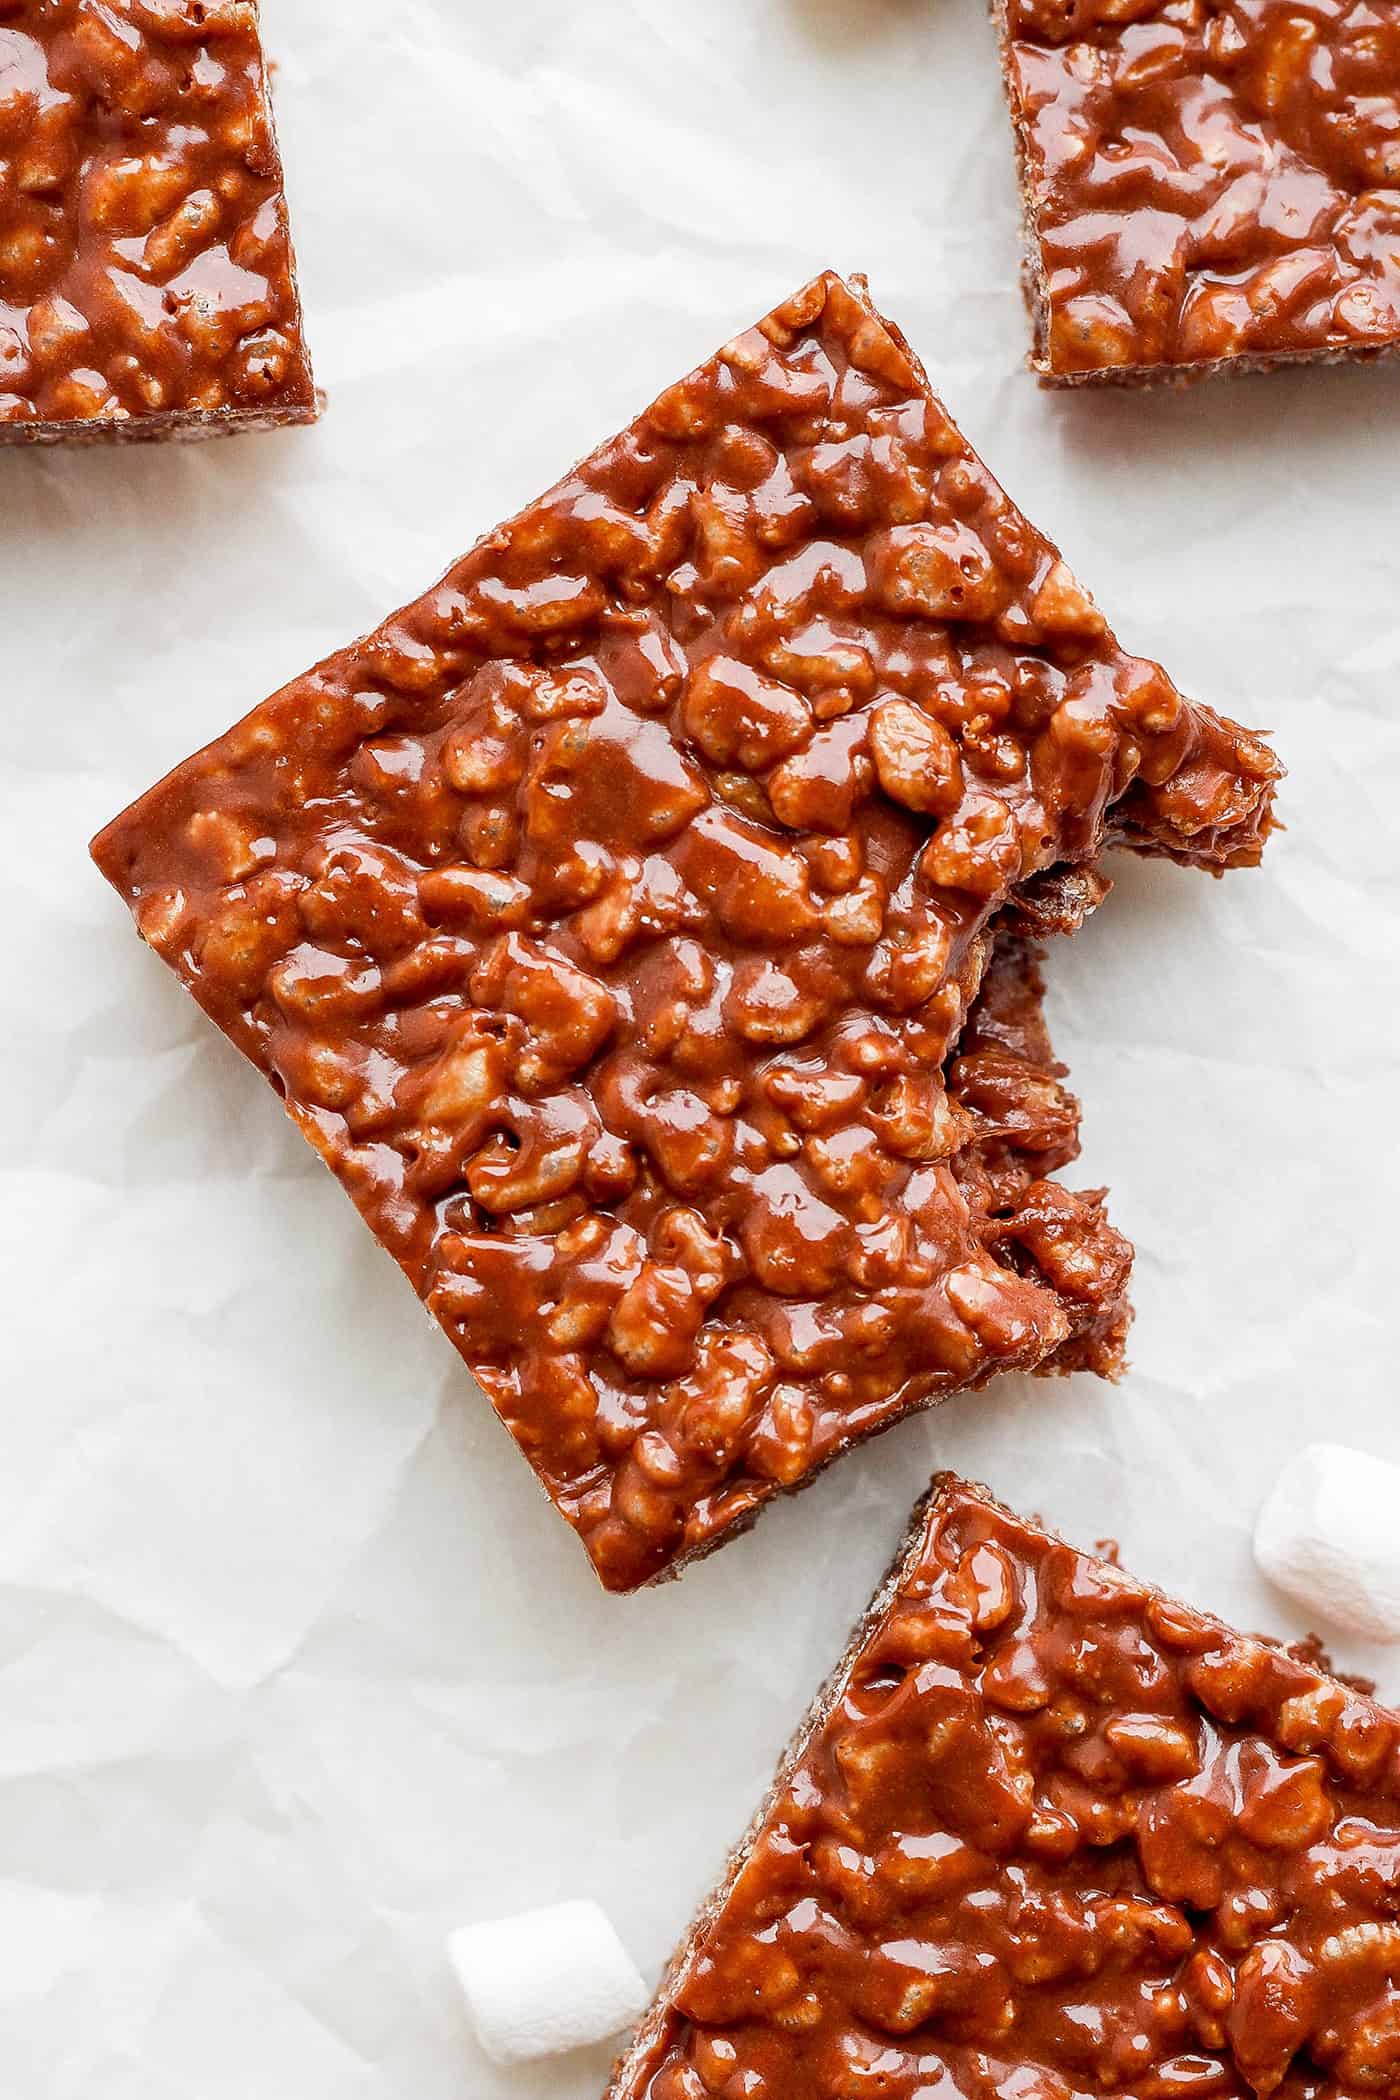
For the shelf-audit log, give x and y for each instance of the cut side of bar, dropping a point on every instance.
(1047, 1833)
(147, 284)
(608, 918)
(1205, 189)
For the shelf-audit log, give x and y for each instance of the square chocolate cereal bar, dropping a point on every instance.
(1208, 185)
(608, 920)
(147, 286)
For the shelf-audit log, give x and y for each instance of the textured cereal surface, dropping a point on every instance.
(1049, 1834)
(607, 920)
(1208, 182)
(146, 275)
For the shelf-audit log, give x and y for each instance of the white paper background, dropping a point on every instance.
(296, 1671)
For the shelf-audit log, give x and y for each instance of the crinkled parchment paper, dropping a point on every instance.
(296, 1669)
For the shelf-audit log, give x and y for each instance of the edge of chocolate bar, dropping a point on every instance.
(1178, 377)
(181, 426)
(1034, 291)
(799, 1742)
(1098, 1350)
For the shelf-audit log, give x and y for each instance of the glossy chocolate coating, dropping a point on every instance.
(146, 275)
(1207, 184)
(1048, 1834)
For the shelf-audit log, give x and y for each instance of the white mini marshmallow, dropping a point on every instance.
(1329, 1535)
(546, 1981)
